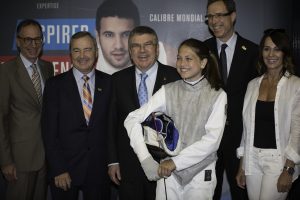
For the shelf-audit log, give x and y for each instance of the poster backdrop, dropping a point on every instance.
(173, 20)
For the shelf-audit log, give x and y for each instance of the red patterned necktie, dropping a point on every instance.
(87, 99)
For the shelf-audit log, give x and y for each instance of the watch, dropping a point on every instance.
(290, 170)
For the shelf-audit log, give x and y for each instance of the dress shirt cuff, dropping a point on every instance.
(240, 152)
(292, 155)
(111, 164)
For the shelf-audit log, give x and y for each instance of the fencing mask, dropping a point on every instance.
(161, 136)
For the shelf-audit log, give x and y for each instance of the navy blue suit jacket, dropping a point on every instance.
(242, 70)
(72, 145)
(124, 101)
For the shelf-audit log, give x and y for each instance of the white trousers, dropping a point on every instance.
(266, 168)
(197, 189)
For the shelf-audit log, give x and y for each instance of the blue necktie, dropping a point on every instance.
(142, 92)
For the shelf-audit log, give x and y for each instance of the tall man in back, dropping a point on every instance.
(238, 58)
(124, 166)
(74, 125)
(22, 155)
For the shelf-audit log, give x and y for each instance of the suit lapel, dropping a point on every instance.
(73, 93)
(161, 79)
(25, 80)
(132, 83)
(214, 50)
(238, 57)
(43, 71)
(97, 96)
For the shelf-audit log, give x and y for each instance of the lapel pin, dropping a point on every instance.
(165, 78)
(99, 89)
(244, 48)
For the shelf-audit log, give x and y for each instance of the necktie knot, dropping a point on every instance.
(33, 66)
(85, 78)
(143, 77)
(224, 46)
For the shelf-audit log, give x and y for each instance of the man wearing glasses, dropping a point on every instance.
(22, 156)
(237, 61)
(131, 89)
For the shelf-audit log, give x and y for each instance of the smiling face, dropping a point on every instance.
(30, 50)
(144, 51)
(221, 26)
(188, 64)
(83, 54)
(272, 56)
(113, 38)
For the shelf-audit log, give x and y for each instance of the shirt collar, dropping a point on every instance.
(78, 75)
(230, 43)
(26, 62)
(150, 71)
(194, 82)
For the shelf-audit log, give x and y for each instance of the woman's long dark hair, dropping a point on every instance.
(211, 70)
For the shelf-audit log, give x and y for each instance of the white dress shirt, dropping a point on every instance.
(229, 50)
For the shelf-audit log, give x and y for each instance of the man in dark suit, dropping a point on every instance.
(74, 125)
(22, 155)
(124, 166)
(240, 61)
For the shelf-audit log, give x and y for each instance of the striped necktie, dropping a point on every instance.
(87, 99)
(36, 80)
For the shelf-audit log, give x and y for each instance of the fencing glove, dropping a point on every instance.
(150, 167)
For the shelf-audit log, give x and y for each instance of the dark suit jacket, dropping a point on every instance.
(20, 114)
(242, 70)
(124, 101)
(72, 145)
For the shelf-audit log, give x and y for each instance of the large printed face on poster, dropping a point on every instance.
(173, 20)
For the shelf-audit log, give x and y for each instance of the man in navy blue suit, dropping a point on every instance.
(74, 125)
(124, 167)
(241, 58)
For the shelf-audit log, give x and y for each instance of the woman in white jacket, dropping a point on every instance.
(270, 147)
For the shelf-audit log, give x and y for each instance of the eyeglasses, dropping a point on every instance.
(210, 17)
(28, 40)
(147, 45)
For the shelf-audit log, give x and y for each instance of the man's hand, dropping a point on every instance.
(10, 172)
(166, 167)
(114, 173)
(63, 181)
(150, 167)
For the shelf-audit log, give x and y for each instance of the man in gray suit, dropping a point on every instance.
(22, 157)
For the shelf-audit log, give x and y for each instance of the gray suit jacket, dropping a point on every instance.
(20, 116)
